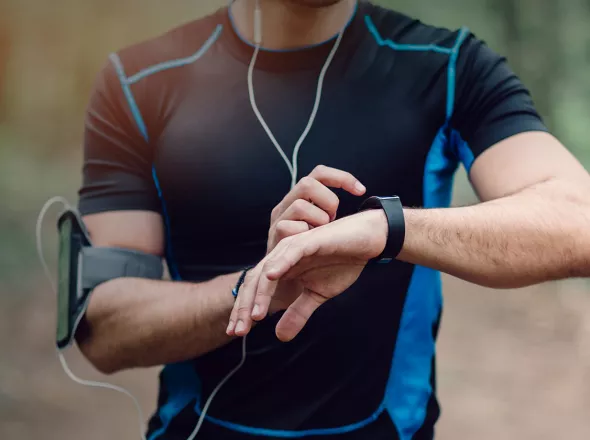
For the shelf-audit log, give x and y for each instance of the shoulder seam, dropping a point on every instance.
(166, 65)
(451, 75)
(403, 47)
(129, 95)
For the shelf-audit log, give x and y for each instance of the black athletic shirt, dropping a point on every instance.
(170, 129)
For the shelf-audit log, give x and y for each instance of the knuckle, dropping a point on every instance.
(275, 212)
(325, 218)
(243, 311)
(282, 228)
(333, 205)
(320, 169)
(299, 206)
(306, 184)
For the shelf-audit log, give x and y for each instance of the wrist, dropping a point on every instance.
(392, 213)
(379, 230)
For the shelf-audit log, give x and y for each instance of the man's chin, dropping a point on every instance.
(315, 3)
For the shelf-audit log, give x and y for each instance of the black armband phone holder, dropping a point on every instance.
(82, 267)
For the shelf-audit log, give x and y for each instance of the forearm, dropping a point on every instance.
(140, 323)
(539, 234)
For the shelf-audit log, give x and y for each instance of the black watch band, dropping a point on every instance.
(394, 211)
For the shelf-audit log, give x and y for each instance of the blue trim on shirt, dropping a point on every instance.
(179, 62)
(451, 77)
(181, 379)
(129, 95)
(291, 434)
(402, 47)
(143, 130)
(462, 150)
(409, 388)
(184, 386)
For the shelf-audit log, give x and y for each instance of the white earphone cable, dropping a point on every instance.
(292, 166)
(60, 355)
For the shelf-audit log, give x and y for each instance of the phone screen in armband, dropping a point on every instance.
(63, 289)
(72, 238)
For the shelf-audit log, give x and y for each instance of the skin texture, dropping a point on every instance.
(290, 24)
(141, 323)
(536, 201)
(533, 226)
(128, 320)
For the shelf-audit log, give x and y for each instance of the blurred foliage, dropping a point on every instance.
(50, 53)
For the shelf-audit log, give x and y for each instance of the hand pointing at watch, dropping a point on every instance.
(326, 261)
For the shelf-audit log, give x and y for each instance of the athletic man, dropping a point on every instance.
(191, 156)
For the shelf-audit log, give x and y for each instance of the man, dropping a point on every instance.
(188, 155)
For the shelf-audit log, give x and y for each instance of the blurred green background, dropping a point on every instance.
(512, 364)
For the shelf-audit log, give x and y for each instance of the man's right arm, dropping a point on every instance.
(136, 323)
(140, 323)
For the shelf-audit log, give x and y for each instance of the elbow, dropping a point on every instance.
(493, 281)
(95, 336)
(95, 346)
(99, 357)
(506, 278)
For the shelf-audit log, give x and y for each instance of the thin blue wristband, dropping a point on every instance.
(241, 280)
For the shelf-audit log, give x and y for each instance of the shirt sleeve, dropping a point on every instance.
(491, 102)
(117, 170)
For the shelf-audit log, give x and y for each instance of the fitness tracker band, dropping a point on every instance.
(394, 211)
(240, 282)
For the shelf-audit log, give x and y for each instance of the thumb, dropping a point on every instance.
(297, 315)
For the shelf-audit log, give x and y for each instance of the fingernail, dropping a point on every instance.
(230, 327)
(359, 186)
(241, 326)
(256, 310)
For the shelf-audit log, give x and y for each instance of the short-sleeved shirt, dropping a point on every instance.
(170, 129)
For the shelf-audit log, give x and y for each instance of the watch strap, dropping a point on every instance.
(394, 211)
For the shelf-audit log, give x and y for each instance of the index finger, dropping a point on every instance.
(240, 321)
(336, 178)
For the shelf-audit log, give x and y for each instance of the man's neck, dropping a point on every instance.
(286, 25)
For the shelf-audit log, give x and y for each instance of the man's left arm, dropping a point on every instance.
(533, 224)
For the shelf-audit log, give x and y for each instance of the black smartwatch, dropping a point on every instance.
(394, 211)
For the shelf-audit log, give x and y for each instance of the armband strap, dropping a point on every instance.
(101, 264)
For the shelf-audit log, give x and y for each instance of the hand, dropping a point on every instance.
(310, 203)
(325, 261)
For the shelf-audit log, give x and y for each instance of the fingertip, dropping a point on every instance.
(359, 188)
(257, 313)
(241, 328)
(273, 274)
(282, 336)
